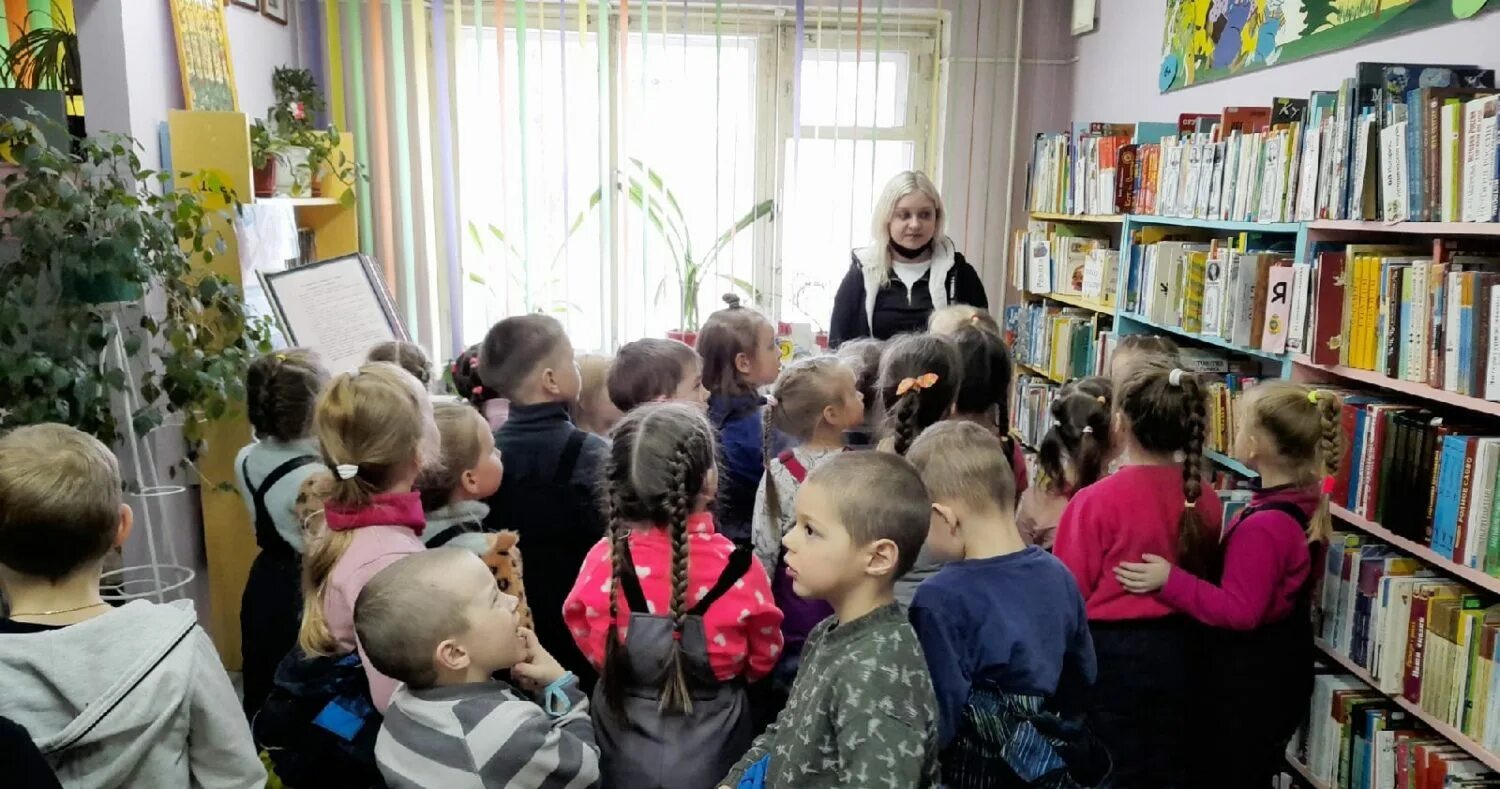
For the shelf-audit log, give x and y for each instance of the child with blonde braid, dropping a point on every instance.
(1156, 504)
(1260, 646)
(674, 616)
(814, 401)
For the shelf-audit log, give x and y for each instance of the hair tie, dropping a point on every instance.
(1102, 400)
(1087, 430)
(1175, 377)
(1327, 486)
(1312, 396)
(1190, 505)
(346, 470)
(924, 381)
(280, 357)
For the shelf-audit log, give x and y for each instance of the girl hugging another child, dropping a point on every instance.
(738, 346)
(814, 401)
(676, 617)
(1257, 661)
(1155, 504)
(1074, 454)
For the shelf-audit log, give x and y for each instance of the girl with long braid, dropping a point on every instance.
(1156, 504)
(1257, 665)
(675, 617)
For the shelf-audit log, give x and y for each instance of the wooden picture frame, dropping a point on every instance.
(275, 10)
(253, 5)
(203, 55)
(339, 307)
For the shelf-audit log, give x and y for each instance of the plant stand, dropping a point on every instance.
(163, 576)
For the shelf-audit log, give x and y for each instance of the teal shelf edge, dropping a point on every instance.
(1218, 224)
(1230, 463)
(1218, 341)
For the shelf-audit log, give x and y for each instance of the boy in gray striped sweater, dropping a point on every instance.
(436, 621)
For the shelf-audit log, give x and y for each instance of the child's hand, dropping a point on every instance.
(1145, 576)
(539, 669)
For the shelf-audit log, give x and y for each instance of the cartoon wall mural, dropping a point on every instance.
(1207, 40)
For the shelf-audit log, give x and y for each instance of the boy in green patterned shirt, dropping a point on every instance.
(862, 712)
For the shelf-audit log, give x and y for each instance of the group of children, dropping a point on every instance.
(855, 532)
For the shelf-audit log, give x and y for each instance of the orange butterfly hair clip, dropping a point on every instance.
(925, 381)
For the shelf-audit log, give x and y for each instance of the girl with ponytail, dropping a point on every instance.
(919, 379)
(1156, 503)
(376, 432)
(1259, 645)
(674, 616)
(1073, 455)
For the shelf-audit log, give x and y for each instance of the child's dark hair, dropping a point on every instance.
(281, 389)
(407, 355)
(985, 388)
(660, 457)
(1303, 424)
(515, 347)
(802, 392)
(647, 370)
(863, 356)
(1166, 409)
(464, 371)
(727, 334)
(1079, 435)
(920, 375)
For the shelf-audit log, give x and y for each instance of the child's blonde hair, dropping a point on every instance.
(660, 458)
(801, 393)
(727, 334)
(60, 497)
(962, 461)
(407, 355)
(1303, 427)
(947, 320)
(461, 432)
(376, 422)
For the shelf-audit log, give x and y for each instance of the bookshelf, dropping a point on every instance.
(1411, 228)
(1305, 775)
(1462, 572)
(1103, 219)
(1037, 371)
(1073, 300)
(1220, 342)
(220, 142)
(1449, 733)
(1411, 388)
(1230, 463)
(1217, 225)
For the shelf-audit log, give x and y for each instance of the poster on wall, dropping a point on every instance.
(203, 55)
(337, 307)
(1206, 40)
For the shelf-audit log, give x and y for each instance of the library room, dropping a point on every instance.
(1168, 329)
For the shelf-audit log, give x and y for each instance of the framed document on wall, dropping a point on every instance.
(338, 307)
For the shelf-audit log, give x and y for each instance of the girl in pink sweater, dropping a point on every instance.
(1259, 650)
(1156, 503)
(375, 429)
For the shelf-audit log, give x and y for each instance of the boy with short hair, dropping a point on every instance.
(127, 696)
(550, 495)
(1002, 626)
(654, 369)
(861, 712)
(436, 621)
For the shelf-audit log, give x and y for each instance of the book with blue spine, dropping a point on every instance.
(1450, 478)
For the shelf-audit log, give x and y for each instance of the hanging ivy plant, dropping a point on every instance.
(81, 233)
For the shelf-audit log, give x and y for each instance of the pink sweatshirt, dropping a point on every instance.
(1117, 519)
(1266, 562)
(383, 533)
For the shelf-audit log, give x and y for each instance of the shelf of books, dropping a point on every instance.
(1108, 219)
(1304, 773)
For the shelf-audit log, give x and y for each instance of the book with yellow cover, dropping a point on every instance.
(1192, 291)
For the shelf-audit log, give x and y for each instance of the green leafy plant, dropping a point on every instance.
(646, 190)
(95, 227)
(43, 54)
(265, 145)
(289, 124)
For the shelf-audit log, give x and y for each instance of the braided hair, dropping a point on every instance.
(1159, 401)
(1072, 453)
(661, 456)
(281, 389)
(464, 381)
(932, 363)
(1302, 425)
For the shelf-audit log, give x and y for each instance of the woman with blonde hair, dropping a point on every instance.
(911, 269)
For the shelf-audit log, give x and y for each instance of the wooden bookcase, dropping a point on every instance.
(220, 142)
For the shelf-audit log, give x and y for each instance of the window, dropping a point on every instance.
(695, 118)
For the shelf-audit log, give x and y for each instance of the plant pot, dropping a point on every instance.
(265, 178)
(293, 176)
(104, 288)
(689, 338)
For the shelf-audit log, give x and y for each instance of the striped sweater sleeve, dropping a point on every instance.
(517, 745)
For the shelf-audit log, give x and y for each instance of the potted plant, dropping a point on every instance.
(97, 227)
(265, 149)
(303, 151)
(645, 189)
(44, 56)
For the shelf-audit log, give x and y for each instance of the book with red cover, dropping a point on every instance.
(1375, 467)
(1126, 173)
(1245, 120)
(1328, 316)
(1416, 642)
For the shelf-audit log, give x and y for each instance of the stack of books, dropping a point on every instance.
(1395, 142)
(1427, 314)
(1065, 259)
(1031, 408)
(1059, 342)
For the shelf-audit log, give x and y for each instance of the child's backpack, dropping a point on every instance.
(798, 615)
(318, 725)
